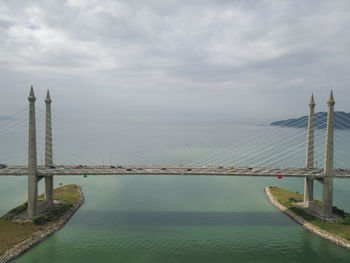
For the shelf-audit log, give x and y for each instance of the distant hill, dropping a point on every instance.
(341, 121)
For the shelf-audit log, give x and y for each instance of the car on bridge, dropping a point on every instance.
(2, 165)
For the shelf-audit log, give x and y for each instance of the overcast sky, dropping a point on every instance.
(236, 59)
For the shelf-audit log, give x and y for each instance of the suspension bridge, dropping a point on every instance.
(207, 166)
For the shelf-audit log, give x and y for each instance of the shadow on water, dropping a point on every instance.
(176, 218)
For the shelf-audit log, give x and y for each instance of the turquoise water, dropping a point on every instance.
(182, 218)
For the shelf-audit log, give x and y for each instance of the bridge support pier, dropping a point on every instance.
(49, 187)
(32, 209)
(308, 191)
(327, 198)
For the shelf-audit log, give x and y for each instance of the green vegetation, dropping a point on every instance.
(13, 232)
(289, 198)
(67, 193)
(38, 220)
(15, 211)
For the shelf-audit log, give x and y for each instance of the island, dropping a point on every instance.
(341, 121)
(18, 235)
(287, 201)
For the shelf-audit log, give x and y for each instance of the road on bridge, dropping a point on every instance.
(174, 170)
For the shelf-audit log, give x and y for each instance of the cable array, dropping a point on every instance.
(75, 142)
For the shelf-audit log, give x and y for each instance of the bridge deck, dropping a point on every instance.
(174, 170)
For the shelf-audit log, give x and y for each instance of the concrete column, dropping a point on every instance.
(309, 183)
(328, 163)
(32, 160)
(48, 153)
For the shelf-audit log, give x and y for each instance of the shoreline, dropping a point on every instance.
(41, 235)
(306, 224)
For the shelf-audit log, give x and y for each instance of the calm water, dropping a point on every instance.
(181, 218)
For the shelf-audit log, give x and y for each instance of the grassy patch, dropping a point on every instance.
(15, 211)
(13, 233)
(286, 198)
(68, 193)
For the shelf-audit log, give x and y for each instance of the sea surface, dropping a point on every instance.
(159, 218)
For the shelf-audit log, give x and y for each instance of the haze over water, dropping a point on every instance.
(181, 218)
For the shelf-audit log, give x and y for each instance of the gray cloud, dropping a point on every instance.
(234, 58)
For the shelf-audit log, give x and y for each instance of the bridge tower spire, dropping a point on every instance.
(48, 152)
(309, 183)
(327, 208)
(32, 160)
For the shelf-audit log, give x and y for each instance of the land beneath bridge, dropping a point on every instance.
(19, 235)
(315, 173)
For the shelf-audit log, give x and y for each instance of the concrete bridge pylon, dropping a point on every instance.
(327, 208)
(48, 153)
(33, 178)
(309, 182)
(325, 212)
(32, 160)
